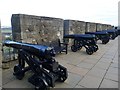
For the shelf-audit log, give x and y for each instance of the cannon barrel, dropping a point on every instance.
(34, 49)
(80, 36)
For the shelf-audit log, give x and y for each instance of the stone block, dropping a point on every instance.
(97, 72)
(99, 27)
(104, 26)
(90, 27)
(109, 84)
(36, 28)
(109, 27)
(74, 27)
(90, 81)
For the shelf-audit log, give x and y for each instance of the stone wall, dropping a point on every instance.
(99, 27)
(74, 27)
(45, 30)
(36, 29)
(104, 26)
(90, 27)
(80, 27)
(109, 27)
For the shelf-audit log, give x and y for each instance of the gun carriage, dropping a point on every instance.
(113, 33)
(83, 40)
(103, 36)
(40, 59)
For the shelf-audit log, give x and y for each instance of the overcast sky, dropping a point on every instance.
(100, 11)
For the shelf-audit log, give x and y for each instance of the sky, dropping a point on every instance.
(99, 11)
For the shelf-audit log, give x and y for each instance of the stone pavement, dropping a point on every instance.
(99, 70)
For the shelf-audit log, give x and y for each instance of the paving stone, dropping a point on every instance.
(90, 60)
(115, 61)
(79, 71)
(78, 86)
(69, 66)
(112, 76)
(97, 72)
(10, 79)
(90, 81)
(109, 84)
(85, 65)
(108, 56)
(102, 65)
(111, 53)
(15, 84)
(74, 62)
(73, 79)
(62, 62)
(114, 65)
(30, 86)
(94, 56)
(105, 60)
(7, 76)
(62, 85)
(113, 70)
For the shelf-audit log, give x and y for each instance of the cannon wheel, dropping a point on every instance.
(21, 61)
(73, 48)
(80, 47)
(18, 72)
(105, 41)
(95, 48)
(41, 84)
(89, 51)
(63, 74)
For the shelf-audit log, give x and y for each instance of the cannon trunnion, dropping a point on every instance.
(46, 70)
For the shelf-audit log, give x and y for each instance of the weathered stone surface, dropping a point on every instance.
(104, 26)
(101, 27)
(74, 27)
(80, 27)
(98, 27)
(90, 27)
(36, 29)
(109, 27)
(45, 30)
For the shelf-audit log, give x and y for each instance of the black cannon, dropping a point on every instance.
(113, 33)
(83, 40)
(46, 70)
(118, 30)
(103, 36)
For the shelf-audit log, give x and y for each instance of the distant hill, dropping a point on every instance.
(5, 29)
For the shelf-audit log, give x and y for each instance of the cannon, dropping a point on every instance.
(83, 40)
(113, 33)
(40, 59)
(103, 36)
(118, 30)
